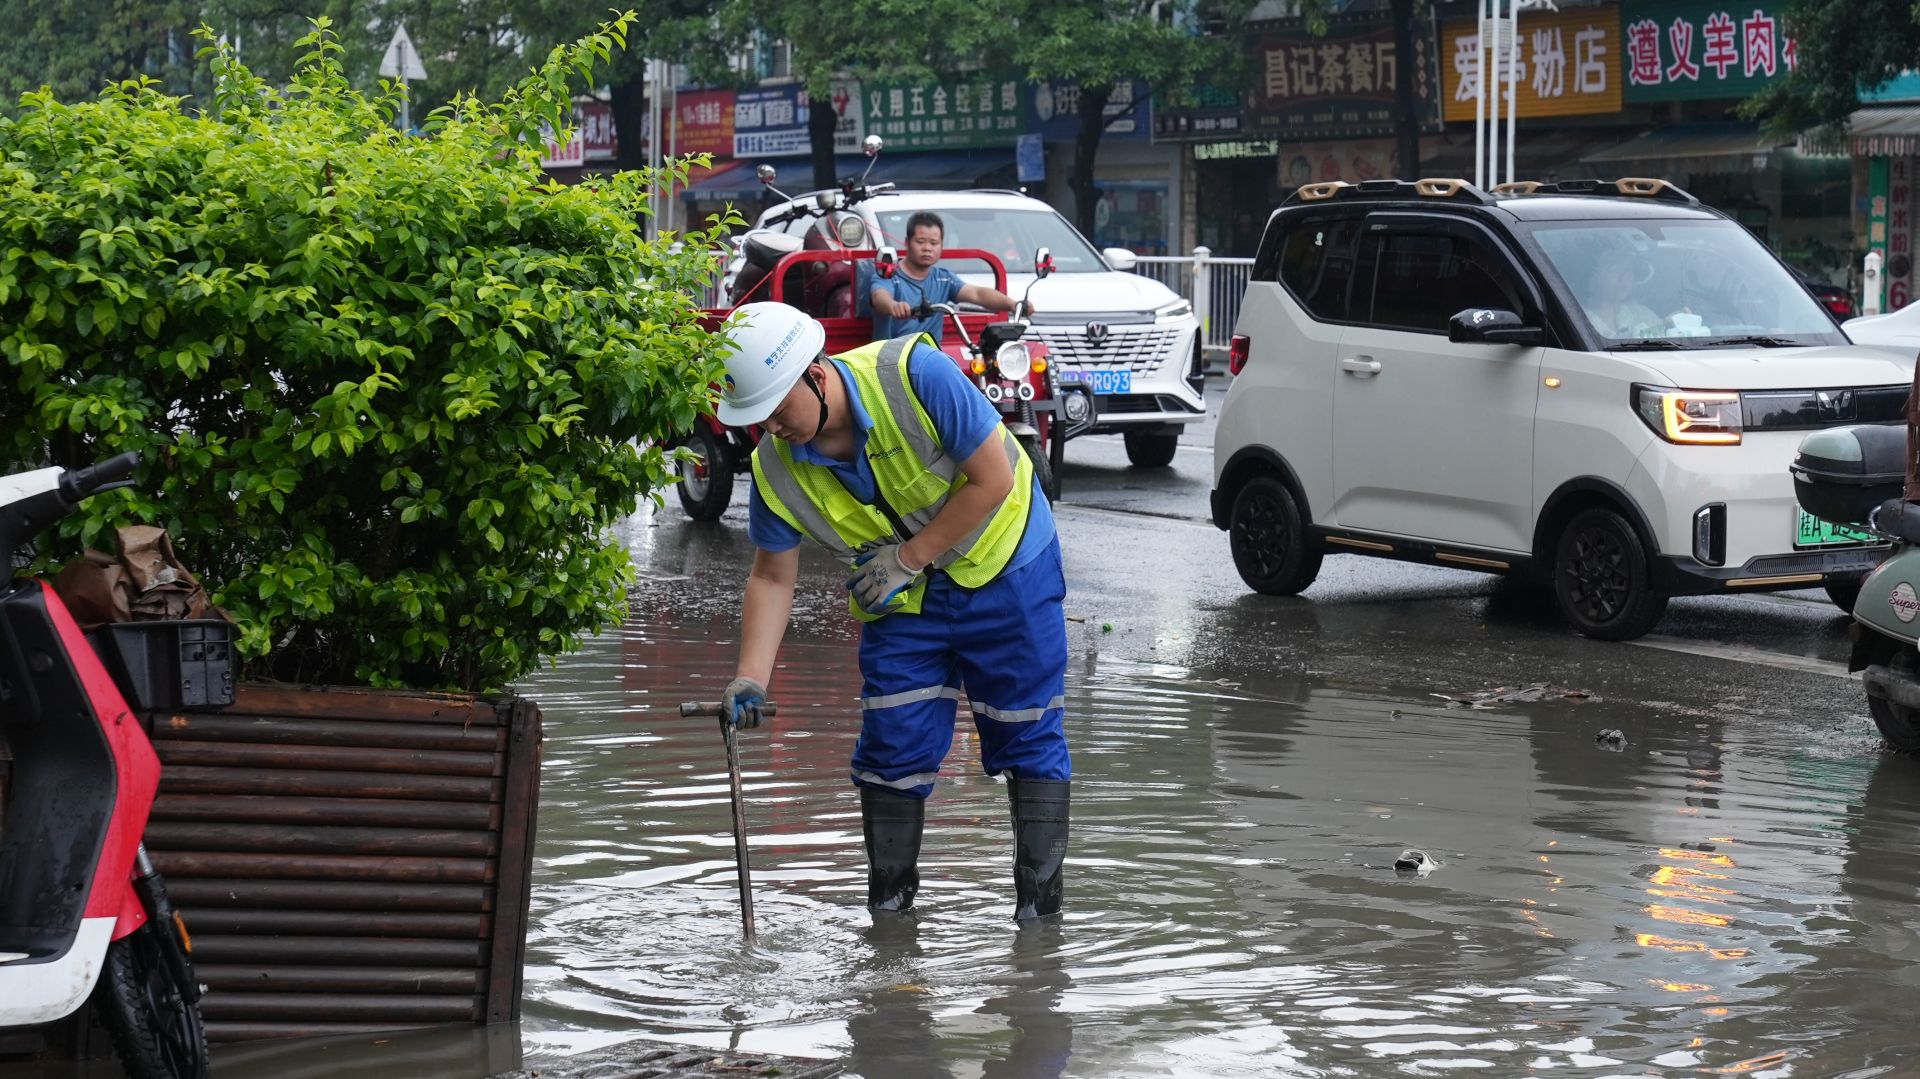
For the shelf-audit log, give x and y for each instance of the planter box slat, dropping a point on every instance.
(329, 895)
(326, 758)
(401, 868)
(354, 702)
(189, 780)
(338, 951)
(227, 727)
(287, 979)
(370, 812)
(203, 921)
(318, 839)
(411, 1007)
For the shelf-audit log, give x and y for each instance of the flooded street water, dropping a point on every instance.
(1727, 893)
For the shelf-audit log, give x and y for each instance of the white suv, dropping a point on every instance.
(1601, 384)
(1132, 340)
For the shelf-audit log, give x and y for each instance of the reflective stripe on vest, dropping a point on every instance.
(913, 475)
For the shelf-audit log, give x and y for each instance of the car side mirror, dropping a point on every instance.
(885, 261)
(1042, 262)
(1492, 326)
(1120, 258)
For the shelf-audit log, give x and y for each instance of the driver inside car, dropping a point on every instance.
(1608, 298)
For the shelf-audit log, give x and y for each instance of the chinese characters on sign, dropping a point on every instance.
(599, 139)
(1899, 266)
(703, 122)
(1339, 85)
(770, 122)
(1056, 111)
(1559, 64)
(1213, 114)
(1688, 49)
(979, 111)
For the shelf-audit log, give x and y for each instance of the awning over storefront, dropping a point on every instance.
(740, 183)
(1882, 132)
(1692, 150)
(1551, 154)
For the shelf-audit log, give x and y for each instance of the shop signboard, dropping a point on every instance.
(599, 141)
(771, 121)
(1685, 50)
(703, 123)
(555, 154)
(1340, 84)
(955, 114)
(1056, 111)
(1564, 63)
(1899, 267)
(1209, 114)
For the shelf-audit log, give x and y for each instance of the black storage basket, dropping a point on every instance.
(1843, 474)
(183, 665)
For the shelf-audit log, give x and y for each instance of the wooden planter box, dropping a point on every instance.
(348, 859)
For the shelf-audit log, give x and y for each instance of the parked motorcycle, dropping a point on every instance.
(82, 910)
(824, 288)
(1856, 477)
(1016, 377)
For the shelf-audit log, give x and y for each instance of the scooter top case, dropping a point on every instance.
(1843, 474)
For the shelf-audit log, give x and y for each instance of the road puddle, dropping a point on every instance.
(1700, 899)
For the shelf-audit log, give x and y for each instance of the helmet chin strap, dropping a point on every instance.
(822, 395)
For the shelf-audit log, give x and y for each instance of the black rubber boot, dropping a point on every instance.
(1039, 845)
(892, 823)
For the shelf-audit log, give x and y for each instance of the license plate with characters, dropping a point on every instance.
(1101, 380)
(1811, 532)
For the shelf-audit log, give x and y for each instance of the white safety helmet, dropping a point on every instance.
(772, 345)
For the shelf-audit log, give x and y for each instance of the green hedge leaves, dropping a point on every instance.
(393, 392)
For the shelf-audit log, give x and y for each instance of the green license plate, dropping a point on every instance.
(1810, 531)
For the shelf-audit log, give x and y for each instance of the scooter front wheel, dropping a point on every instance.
(156, 1027)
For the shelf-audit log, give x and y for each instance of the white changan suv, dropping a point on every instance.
(1598, 384)
(1131, 340)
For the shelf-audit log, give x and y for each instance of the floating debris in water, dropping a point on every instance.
(1611, 738)
(1527, 694)
(1417, 862)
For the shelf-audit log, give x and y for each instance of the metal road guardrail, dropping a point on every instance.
(1215, 287)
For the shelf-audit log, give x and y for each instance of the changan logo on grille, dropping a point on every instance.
(1905, 604)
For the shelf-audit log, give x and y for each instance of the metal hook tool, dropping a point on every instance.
(696, 708)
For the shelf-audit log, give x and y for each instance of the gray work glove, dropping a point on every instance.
(742, 700)
(878, 576)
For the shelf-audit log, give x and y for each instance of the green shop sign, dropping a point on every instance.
(1684, 50)
(954, 115)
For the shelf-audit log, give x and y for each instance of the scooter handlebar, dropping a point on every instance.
(81, 483)
(701, 708)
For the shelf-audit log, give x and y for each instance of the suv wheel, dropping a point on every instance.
(1269, 544)
(1151, 449)
(1602, 579)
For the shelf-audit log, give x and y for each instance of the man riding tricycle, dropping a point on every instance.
(822, 272)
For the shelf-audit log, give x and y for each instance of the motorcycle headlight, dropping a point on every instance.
(1013, 361)
(1172, 312)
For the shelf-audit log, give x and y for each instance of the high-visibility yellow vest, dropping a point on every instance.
(913, 477)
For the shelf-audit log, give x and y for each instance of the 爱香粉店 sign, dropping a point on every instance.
(1340, 85)
(1564, 63)
(1680, 51)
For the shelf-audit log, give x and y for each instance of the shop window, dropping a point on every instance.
(1316, 265)
(1421, 281)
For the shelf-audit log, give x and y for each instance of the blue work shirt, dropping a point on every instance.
(962, 419)
(939, 286)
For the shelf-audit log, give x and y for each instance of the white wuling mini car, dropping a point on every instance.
(1600, 384)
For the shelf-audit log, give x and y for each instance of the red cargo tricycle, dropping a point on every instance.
(1013, 374)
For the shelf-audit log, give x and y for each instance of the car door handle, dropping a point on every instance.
(1360, 365)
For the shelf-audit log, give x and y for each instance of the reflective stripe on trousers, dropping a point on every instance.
(1004, 644)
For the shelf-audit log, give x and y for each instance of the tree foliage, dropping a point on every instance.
(1844, 46)
(390, 391)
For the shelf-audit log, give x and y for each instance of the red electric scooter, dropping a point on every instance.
(82, 911)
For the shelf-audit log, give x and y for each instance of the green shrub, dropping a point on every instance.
(392, 391)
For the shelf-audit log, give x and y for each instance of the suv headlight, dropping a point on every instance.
(1173, 312)
(1690, 417)
(1013, 361)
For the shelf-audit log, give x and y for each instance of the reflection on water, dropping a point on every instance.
(1707, 899)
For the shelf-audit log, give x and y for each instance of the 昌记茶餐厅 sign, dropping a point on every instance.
(1682, 50)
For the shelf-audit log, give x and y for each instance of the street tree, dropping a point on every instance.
(76, 47)
(1842, 47)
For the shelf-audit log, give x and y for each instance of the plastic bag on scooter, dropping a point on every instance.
(144, 582)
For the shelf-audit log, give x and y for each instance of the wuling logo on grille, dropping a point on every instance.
(1096, 334)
